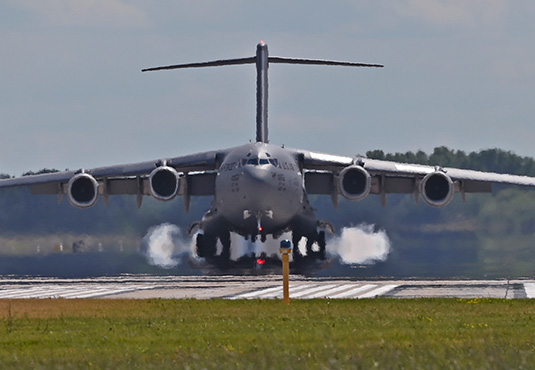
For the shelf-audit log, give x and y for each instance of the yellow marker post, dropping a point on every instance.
(285, 249)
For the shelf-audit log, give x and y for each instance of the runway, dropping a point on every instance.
(256, 287)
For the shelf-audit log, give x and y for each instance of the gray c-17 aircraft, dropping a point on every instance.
(259, 188)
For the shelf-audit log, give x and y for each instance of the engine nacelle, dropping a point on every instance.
(164, 183)
(82, 190)
(437, 189)
(354, 183)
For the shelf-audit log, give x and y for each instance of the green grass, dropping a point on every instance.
(383, 333)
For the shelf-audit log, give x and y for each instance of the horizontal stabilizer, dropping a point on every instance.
(215, 63)
(252, 60)
(262, 60)
(320, 62)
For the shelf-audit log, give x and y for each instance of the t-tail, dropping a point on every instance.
(262, 60)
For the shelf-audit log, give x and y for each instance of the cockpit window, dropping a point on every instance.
(259, 161)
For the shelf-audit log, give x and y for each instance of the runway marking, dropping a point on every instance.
(272, 292)
(232, 287)
(330, 292)
(309, 291)
(529, 288)
(256, 293)
(67, 291)
(353, 292)
(379, 291)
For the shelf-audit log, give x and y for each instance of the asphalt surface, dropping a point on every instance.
(256, 287)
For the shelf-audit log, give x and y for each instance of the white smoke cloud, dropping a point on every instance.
(360, 244)
(164, 244)
(239, 246)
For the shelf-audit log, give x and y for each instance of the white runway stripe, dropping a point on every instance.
(309, 291)
(256, 293)
(273, 292)
(32, 292)
(67, 291)
(529, 288)
(354, 292)
(95, 293)
(12, 292)
(329, 293)
(378, 291)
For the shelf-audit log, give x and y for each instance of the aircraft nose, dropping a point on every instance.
(257, 177)
(261, 185)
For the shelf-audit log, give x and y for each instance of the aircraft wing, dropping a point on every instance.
(133, 178)
(323, 173)
(407, 169)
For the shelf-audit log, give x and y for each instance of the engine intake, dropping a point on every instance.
(354, 183)
(164, 183)
(82, 190)
(437, 189)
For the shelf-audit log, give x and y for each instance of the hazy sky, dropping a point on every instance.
(457, 73)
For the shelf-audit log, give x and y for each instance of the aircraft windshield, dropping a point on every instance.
(259, 161)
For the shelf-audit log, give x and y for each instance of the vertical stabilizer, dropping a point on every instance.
(262, 92)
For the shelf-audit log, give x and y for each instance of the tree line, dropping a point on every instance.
(488, 160)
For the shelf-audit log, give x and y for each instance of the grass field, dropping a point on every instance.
(367, 333)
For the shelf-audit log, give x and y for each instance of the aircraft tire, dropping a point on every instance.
(321, 244)
(199, 244)
(296, 253)
(209, 246)
(225, 242)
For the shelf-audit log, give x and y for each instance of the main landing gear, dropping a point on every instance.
(318, 239)
(206, 245)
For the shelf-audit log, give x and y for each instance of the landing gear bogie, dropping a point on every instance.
(206, 246)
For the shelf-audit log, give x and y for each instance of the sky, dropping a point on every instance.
(72, 95)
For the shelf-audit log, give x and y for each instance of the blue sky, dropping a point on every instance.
(457, 73)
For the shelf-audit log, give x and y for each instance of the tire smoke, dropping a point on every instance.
(360, 244)
(164, 245)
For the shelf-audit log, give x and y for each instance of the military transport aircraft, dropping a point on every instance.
(261, 189)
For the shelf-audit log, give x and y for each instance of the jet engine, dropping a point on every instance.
(354, 183)
(437, 189)
(164, 183)
(82, 190)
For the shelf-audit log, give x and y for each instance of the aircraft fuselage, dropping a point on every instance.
(259, 189)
